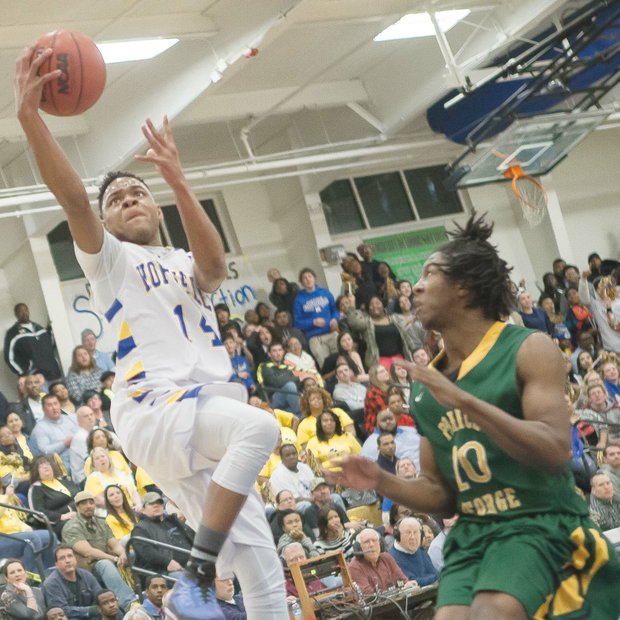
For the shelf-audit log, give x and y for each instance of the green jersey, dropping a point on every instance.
(490, 484)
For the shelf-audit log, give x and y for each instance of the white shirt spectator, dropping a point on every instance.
(435, 551)
(352, 393)
(78, 453)
(598, 308)
(347, 390)
(407, 441)
(298, 483)
(49, 436)
(104, 361)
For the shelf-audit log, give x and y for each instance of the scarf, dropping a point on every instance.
(56, 485)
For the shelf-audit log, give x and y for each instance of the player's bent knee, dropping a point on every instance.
(257, 436)
(496, 606)
(264, 430)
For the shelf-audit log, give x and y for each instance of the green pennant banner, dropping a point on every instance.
(407, 252)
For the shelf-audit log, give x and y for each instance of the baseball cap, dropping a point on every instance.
(82, 496)
(151, 498)
(317, 482)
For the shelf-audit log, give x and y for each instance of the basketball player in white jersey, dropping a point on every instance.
(173, 409)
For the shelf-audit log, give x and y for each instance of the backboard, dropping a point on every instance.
(537, 144)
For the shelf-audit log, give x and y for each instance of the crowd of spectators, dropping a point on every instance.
(325, 365)
(361, 399)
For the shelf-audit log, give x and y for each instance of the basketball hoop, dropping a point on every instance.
(531, 194)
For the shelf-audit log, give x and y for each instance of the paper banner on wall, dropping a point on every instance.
(407, 252)
(240, 291)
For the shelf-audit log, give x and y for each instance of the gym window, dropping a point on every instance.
(61, 248)
(61, 242)
(390, 198)
(172, 221)
(341, 207)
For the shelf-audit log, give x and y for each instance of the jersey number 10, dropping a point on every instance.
(479, 473)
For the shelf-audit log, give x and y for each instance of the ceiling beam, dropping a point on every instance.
(218, 108)
(130, 27)
(414, 97)
(167, 85)
(510, 23)
(60, 126)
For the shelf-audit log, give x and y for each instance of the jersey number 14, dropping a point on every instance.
(205, 328)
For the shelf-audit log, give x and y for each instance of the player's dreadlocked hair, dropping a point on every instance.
(475, 263)
(112, 176)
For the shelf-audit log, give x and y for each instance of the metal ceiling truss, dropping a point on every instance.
(552, 64)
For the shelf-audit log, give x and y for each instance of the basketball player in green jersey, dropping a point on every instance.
(495, 448)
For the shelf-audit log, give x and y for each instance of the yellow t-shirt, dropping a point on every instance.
(23, 444)
(10, 523)
(97, 481)
(284, 418)
(119, 530)
(143, 480)
(288, 436)
(116, 458)
(338, 445)
(12, 464)
(307, 427)
(272, 462)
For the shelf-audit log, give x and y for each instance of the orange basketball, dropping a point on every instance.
(83, 72)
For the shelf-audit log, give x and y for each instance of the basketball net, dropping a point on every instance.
(531, 194)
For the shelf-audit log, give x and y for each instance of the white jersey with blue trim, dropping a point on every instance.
(166, 328)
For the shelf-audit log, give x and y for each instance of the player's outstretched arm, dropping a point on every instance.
(58, 174)
(428, 493)
(542, 438)
(204, 240)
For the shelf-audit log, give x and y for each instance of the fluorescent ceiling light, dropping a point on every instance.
(124, 51)
(416, 25)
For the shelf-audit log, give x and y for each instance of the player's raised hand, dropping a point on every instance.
(355, 472)
(162, 152)
(28, 86)
(406, 364)
(444, 391)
